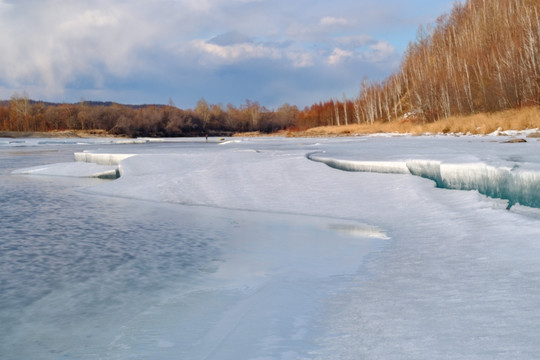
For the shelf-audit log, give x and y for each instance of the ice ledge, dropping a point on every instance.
(77, 169)
(512, 184)
(103, 166)
(101, 159)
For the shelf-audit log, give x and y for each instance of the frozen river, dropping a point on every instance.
(256, 249)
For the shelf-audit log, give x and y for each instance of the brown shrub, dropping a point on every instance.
(482, 123)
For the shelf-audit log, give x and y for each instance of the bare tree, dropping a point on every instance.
(20, 112)
(345, 109)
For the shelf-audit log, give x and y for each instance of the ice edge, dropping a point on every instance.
(518, 187)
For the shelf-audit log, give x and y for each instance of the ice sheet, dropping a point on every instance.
(457, 276)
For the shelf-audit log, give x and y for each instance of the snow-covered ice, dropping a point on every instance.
(78, 169)
(374, 256)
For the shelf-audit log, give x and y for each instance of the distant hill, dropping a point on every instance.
(86, 102)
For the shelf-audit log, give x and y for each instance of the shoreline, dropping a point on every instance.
(57, 134)
(310, 133)
(520, 122)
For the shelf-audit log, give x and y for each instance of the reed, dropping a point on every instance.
(482, 123)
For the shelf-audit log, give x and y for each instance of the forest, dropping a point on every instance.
(22, 114)
(484, 56)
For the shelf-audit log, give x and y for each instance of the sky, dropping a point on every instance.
(225, 51)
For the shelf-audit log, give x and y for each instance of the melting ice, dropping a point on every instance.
(317, 263)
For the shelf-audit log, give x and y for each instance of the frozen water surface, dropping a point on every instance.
(255, 249)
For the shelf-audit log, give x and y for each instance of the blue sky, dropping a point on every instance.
(226, 51)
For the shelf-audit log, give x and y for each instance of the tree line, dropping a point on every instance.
(483, 56)
(22, 114)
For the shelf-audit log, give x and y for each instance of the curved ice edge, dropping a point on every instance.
(101, 159)
(518, 187)
(105, 160)
(68, 170)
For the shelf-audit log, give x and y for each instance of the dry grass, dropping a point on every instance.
(57, 134)
(258, 134)
(485, 123)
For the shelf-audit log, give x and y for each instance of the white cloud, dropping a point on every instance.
(48, 47)
(339, 55)
(217, 54)
(329, 21)
(53, 50)
(236, 52)
(301, 59)
(90, 19)
(195, 5)
(380, 51)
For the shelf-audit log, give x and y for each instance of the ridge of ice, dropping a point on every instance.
(77, 169)
(101, 159)
(94, 165)
(512, 184)
(384, 167)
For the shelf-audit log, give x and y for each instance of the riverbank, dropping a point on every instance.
(527, 118)
(477, 124)
(55, 134)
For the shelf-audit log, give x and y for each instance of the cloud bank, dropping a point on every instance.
(225, 51)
